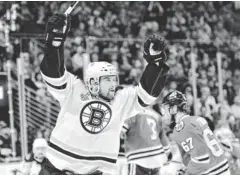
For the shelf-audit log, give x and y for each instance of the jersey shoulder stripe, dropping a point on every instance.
(142, 153)
(76, 156)
(56, 87)
(201, 159)
(144, 150)
(219, 168)
(167, 148)
(145, 155)
(57, 81)
(63, 161)
(121, 154)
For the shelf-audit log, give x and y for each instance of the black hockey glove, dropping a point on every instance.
(154, 49)
(57, 30)
(169, 157)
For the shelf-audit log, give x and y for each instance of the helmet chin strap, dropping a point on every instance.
(173, 121)
(94, 93)
(179, 115)
(176, 116)
(97, 94)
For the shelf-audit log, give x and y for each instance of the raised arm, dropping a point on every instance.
(59, 81)
(57, 29)
(154, 77)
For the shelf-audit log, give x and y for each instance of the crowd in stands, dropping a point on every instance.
(193, 30)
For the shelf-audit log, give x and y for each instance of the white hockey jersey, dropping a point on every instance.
(86, 135)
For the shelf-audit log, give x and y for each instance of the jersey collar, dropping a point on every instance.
(185, 116)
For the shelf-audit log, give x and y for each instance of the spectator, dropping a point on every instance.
(80, 60)
(204, 113)
(235, 108)
(5, 141)
(34, 161)
(206, 100)
(222, 115)
(229, 92)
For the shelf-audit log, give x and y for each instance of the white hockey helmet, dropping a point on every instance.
(40, 142)
(96, 70)
(39, 149)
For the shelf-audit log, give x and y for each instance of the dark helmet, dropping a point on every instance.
(176, 98)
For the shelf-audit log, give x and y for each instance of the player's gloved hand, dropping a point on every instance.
(57, 30)
(169, 157)
(182, 171)
(154, 49)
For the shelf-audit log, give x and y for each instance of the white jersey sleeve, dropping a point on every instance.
(144, 95)
(60, 87)
(135, 96)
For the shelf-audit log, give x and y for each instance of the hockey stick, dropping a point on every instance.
(71, 8)
(67, 12)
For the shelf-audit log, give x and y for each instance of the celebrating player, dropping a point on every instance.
(146, 144)
(85, 139)
(202, 152)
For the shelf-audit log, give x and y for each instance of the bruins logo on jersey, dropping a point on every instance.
(95, 116)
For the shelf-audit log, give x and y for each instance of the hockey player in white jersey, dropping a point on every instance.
(85, 139)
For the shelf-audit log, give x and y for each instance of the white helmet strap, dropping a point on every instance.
(92, 91)
(96, 83)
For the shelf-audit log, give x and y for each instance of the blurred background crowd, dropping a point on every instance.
(193, 30)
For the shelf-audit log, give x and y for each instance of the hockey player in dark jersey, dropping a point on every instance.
(146, 144)
(85, 139)
(202, 153)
